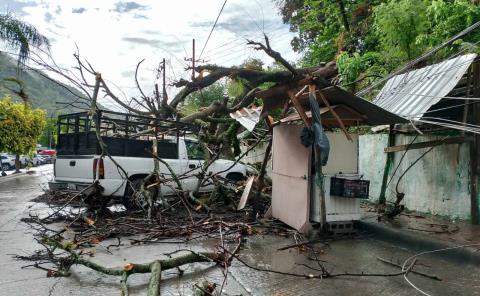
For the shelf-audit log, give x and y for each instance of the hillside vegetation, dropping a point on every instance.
(43, 92)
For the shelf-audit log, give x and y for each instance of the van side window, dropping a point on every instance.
(194, 150)
(167, 150)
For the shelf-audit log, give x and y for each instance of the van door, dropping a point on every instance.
(196, 156)
(170, 152)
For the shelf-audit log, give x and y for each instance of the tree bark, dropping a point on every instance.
(17, 163)
(343, 14)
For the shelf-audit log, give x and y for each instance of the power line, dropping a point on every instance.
(234, 45)
(386, 98)
(213, 27)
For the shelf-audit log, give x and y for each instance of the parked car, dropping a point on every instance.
(36, 160)
(8, 162)
(48, 155)
(77, 172)
(78, 163)
(41, 159)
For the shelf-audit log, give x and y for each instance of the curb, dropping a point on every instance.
(12, 176)
(420, 243)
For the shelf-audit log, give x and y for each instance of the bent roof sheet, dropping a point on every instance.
(276, 96)
(410, 95)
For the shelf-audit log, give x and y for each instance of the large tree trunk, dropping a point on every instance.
(343, 13)
(17, 163)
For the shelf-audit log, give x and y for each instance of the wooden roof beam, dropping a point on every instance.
(327, 104)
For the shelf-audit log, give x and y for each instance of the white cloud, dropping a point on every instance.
(114, 35)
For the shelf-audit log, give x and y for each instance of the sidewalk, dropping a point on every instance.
(26, 171)
(423, 232)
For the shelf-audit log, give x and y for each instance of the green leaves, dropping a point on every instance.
(381, 34)
(399, 24)
(18, 34)
(203, 98)
(20, 128)
(354, 67)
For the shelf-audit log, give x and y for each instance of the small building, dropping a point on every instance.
(298, 193)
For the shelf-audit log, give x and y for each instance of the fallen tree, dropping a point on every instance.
(217, 131)
(155, 267)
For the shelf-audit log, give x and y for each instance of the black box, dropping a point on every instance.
(349, 188)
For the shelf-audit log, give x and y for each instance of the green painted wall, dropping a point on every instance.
(439, 184)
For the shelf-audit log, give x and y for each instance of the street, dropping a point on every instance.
(350, 255)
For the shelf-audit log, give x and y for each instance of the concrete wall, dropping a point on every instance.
(438, 184)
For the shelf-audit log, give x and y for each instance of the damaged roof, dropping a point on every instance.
(370, 114)
(411, 94)
(247, 117)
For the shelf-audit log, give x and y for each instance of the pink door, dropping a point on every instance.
(290, 177)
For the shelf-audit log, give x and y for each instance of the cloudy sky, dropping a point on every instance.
(114, 35)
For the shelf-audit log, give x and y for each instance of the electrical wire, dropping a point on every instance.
(413, 163)
(213, 28)
(452, 126)
(231, 49)
(440, 109)
(238, 41)
(429, 252)
(401, 159)
(415, 83)
(442, 97)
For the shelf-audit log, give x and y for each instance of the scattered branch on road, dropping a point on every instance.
(154, 268)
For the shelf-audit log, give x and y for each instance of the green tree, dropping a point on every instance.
(20, 128)
(20, 36)
(49, 133)
(370, 38)
(447, 18)
(203, 98)
(399, 24)
(253, 64)
(327, 27)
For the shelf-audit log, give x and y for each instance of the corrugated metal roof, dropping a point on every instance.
(247, 117)
(411, 94)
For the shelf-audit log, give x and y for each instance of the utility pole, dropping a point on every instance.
(164, 88)
(161, 67)
(193, 60)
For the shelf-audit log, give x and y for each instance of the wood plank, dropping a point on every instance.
(269, 122)
(299, 108)
(339, 120)
(454, 140)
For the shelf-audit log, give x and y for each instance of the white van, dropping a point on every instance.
(78, 157)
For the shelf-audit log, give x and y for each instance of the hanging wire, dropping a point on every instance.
(213, 28)
(401, 159)
(421, 80)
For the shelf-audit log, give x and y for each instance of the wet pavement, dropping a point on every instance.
(457, 232)
(353, 255)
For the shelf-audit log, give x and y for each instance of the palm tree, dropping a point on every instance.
(20, 35)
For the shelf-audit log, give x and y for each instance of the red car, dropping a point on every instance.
(48, 154)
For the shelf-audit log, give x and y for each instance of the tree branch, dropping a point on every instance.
(273, 54)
